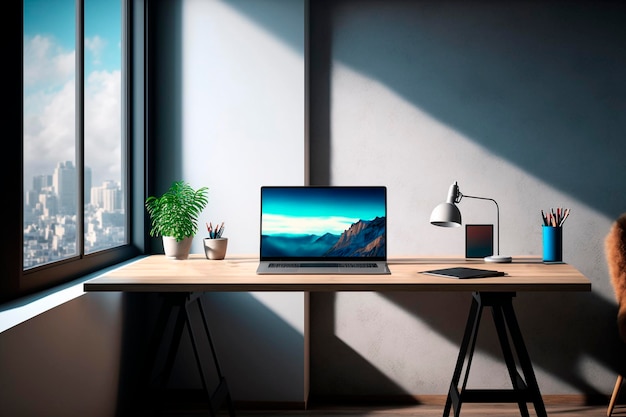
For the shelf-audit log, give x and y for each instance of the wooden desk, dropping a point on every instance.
(197, 274)
(183, 281)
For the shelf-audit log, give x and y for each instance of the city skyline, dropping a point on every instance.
(50, 229)
(36, 183)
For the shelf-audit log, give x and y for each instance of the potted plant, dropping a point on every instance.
(174, 217)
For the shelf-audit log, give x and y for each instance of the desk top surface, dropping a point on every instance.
(156, 273)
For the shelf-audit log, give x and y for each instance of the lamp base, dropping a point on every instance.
(501, 259)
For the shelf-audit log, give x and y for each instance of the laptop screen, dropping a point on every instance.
(323, 223)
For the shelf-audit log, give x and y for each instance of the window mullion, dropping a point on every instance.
(80, 127)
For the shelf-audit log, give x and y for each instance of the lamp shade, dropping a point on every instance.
(446, 215)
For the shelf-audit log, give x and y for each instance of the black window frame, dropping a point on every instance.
(15, 282)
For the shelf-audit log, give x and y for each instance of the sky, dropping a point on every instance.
(49, 95)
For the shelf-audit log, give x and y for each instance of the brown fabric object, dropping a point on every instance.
(615, 250)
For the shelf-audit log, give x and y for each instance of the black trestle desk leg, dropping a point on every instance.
(467, 344)
(177, 334)
(523, 391)
(524, 359)
(179, 304)
(518, 383)
(221, 394)
(149, 364)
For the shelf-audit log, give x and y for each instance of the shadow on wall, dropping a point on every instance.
(281, 17)
(163, 101)
(538, 83)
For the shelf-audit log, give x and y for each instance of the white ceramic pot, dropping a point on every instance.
(215, 249)
(177, 250)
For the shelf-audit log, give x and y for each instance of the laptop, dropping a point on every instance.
(323, 230)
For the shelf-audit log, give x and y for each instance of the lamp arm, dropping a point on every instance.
(460, 196)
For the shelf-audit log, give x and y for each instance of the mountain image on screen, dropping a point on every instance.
(363, 238)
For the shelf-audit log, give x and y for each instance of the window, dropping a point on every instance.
(54, 167)
(50, 175)
(75, 163)
(104, 195)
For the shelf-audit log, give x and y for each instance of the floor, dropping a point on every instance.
(468, 410)
(556, 406)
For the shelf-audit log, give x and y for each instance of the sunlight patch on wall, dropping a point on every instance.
(385, 335)
(286, 306)
(242, 100)
(590, 369)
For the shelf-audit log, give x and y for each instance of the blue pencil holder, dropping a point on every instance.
(552, 244)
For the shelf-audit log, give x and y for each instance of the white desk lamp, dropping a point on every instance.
(448, 215)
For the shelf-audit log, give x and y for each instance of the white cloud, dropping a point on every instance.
(95, 45)
(46, 63)
(103, 125)
(49, 113)
(49, 133)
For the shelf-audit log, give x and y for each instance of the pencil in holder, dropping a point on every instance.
(552, 244)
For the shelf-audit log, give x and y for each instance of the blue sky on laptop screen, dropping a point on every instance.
(323, 222)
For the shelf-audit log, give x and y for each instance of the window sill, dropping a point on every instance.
(18, 311)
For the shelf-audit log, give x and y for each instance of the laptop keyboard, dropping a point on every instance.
(324, 265)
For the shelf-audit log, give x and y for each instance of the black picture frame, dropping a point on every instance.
(478, 240)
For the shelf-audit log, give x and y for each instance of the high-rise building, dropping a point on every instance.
(111, 196)
(108, 196)
(42, 181)
(49, 205)
(64, 183)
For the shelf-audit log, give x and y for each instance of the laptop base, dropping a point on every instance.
(321, 268)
